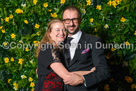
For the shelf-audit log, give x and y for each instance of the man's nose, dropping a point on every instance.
(71, 23)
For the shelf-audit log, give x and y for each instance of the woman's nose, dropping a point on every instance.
(61, 32)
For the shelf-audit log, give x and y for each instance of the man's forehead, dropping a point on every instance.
(70, 13)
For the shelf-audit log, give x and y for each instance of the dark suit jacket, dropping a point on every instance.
(85, 61)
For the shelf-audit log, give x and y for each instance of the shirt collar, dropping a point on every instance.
(76, 36)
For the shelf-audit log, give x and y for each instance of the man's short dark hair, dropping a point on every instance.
(72, 8)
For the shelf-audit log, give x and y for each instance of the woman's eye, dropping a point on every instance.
(57, 29)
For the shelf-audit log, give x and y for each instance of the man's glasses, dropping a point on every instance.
(67, 21)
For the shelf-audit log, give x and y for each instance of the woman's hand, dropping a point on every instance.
(84, 72)
(68, 76)
(93, 69)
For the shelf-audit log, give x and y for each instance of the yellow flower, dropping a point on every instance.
(50, 10)
(13, 35)
(108, 56)
(122, 19)
(62, 1)
(109, 3)
(5, 43)
(98, 7)
(38, 34)
(20, 61)
(12, 59)
(23, 76)
(15, 86)
(118, 1)
(84, 11)
(19, 11)
(27, 49)
(1, 27)
(106, 87)
(54, 15)
(88, 2)
(113, 49)
(133, 86)
(20, 41)
(32, 84)
(25, 21)
(30, 79)
(128, 79)
(106, 26)
(32, 89)
(114, 4)
(45, 5)
(95, 30)
(31, 61)
(36, 43)
(3, 30)
(135, 33)
(7, 19)
(1, 19)
(9, 80)
(127, 43)
(37, 25)
(10, 16)
(35, 2)
(91, 20)
(6, 59)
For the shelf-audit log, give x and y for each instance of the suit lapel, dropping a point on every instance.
(65, 56)
(79, 49)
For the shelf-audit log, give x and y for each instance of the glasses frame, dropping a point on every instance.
(64, 20)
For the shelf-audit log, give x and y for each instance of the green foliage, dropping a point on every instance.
(106, 23)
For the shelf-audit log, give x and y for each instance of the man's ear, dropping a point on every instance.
(80, 21)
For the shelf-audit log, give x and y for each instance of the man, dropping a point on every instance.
(80, 57)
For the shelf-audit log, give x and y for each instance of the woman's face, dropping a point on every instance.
(58, 33)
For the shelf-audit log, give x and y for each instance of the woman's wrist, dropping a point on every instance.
(67, 75)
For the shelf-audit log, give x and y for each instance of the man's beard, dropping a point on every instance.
(75, 31)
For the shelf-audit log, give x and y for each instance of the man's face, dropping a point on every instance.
(71, 21)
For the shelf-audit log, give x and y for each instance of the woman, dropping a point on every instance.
(51, 71)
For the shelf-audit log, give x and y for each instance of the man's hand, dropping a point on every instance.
(75, 80)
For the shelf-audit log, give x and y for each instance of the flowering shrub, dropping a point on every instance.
(23, 23)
